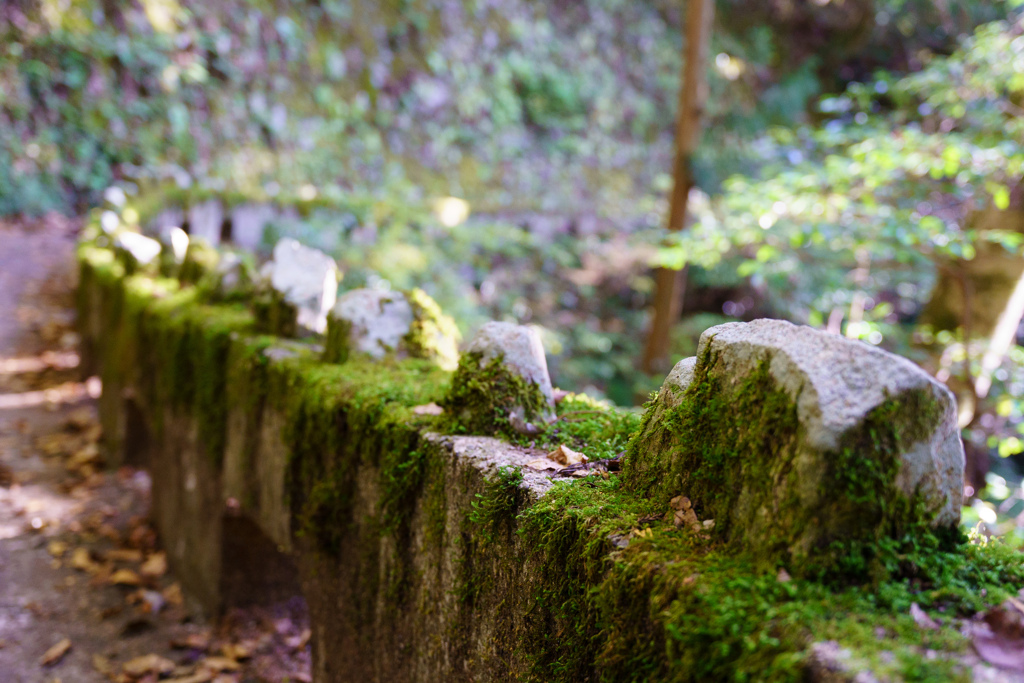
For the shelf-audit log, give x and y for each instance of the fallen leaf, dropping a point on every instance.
(192, 641)
(57, 548)
(81, 560)
(201, 676)
(542, 464)
(685, 518)
(125, 577)
(147, 664)
(173, 595)
(155, 566)
(123, 555)
(55, 653)
(428, 409)
(680, 503)
(566, 456)
(221, 664)
(236, 651)
(80, 418)
(85, 456)
(102, 665)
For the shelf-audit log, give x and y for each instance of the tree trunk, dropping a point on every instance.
(671, 284)
(983, 298)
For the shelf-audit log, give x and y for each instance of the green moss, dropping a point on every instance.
(336, 344)
(494, 510)
(672, 606)
(432, 335)
(342, 416)
(201, 260)
(187, 345)
(597, 585)
(481, 398)
(735, 449)
(274, 315)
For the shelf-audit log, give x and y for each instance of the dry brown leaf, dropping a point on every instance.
(192, 641)
(84, 459)
(680, 503)
(155, 566)
(173, 595)
(55, 653)
(221, 664)
(201, 676)
(125, 577)
(542, 464)
(81, 560)
(148, 664)
(80, 418)
(428, 409)
(566, 456)
(123, 555)
(236, 651)
(102, 665)
(685, 518)
(57, 548)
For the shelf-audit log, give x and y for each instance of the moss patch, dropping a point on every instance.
(482, 398)
(672, 606)
(432, 335)
(735, 448)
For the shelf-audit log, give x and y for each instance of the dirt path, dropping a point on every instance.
(84, 591)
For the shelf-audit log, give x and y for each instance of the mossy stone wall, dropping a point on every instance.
(427, 555)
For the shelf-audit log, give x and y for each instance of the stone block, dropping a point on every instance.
(794, 439)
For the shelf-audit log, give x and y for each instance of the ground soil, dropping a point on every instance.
(78, 559)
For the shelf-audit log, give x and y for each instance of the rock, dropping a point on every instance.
(792, 438)
(376, 323)
(234, 275)
(502, 373)
(306, 281)
(520, 350)
(138, 250)
(369, 322)
(205, 220)
(248, 223)
(165, 221)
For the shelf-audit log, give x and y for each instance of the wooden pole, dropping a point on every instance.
(670, 285)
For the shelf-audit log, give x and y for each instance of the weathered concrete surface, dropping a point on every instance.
(376, 321)
(844, 394)
(307, 278)
(205, 220)
(249, 222)
(407, 577)
(520, 350)
(374, 324)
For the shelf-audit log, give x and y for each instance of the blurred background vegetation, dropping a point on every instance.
(860, 169)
